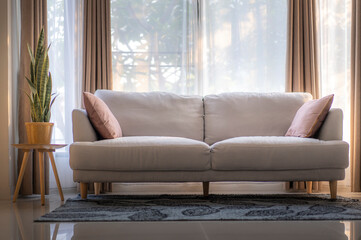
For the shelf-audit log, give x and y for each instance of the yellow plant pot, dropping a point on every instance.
(39, 132)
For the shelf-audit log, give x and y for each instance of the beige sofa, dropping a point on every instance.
(224, 137)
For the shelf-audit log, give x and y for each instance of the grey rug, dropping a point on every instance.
(278, 207)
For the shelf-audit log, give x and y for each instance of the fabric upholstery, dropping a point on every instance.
(156, 113)
(101, 117)
(141, 153)
(83, 130)
(332, 128)
(231, 115)
(209, 175)
(278, 153)
(310, 117)
(142, 158)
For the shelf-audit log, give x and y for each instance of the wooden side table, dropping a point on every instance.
(41, 148)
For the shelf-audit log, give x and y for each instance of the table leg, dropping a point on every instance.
(52, 160)
(21, 175)
(41, 169)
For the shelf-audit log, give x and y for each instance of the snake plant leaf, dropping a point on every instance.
(44, 114)
(48, 92)
(39, 66)
(34, 116)
(31, 85)
(43, 80)
(32, 59)
(52, 101)
(47, 116)
(32, 65)
(38, 110)
(40, 81)
(32, 73)
(39, 48)
(30, 98)
(32, 107)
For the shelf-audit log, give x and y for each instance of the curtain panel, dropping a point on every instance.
(355, 137)
(302, 74)
(97, 55)
(33, 18)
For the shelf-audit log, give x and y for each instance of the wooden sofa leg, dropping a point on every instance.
(309, 187)
(83, 190)
(205, 189)
(333, 189)
(97, 187)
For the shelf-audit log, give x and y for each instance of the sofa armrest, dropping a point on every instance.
(83, 130)
(331, 128)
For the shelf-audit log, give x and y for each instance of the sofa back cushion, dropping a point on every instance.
(156, 113)
(229, 115)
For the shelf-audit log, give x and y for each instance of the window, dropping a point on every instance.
(245, 45)
(153, 45)
(335, 57)
(199, 47)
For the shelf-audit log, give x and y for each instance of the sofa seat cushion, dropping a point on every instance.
(278, 153)
(141, 154)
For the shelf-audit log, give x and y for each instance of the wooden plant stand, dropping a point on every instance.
(41, 149)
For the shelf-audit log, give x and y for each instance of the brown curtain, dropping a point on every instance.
(355, 143)
(302, 73)
(97, 59)
(97, 54)
(33, 18)
(302, 65)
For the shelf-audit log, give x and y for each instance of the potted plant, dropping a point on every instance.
(39, 131)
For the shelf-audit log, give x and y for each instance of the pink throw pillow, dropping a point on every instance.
(309, 117)
(101, 117)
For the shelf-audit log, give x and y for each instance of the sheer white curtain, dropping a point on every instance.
(335, 57)
(245, 45)
(198, 46)
(154, 45)
(65, 55)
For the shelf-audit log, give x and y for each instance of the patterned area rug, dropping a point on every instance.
(198, 208)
